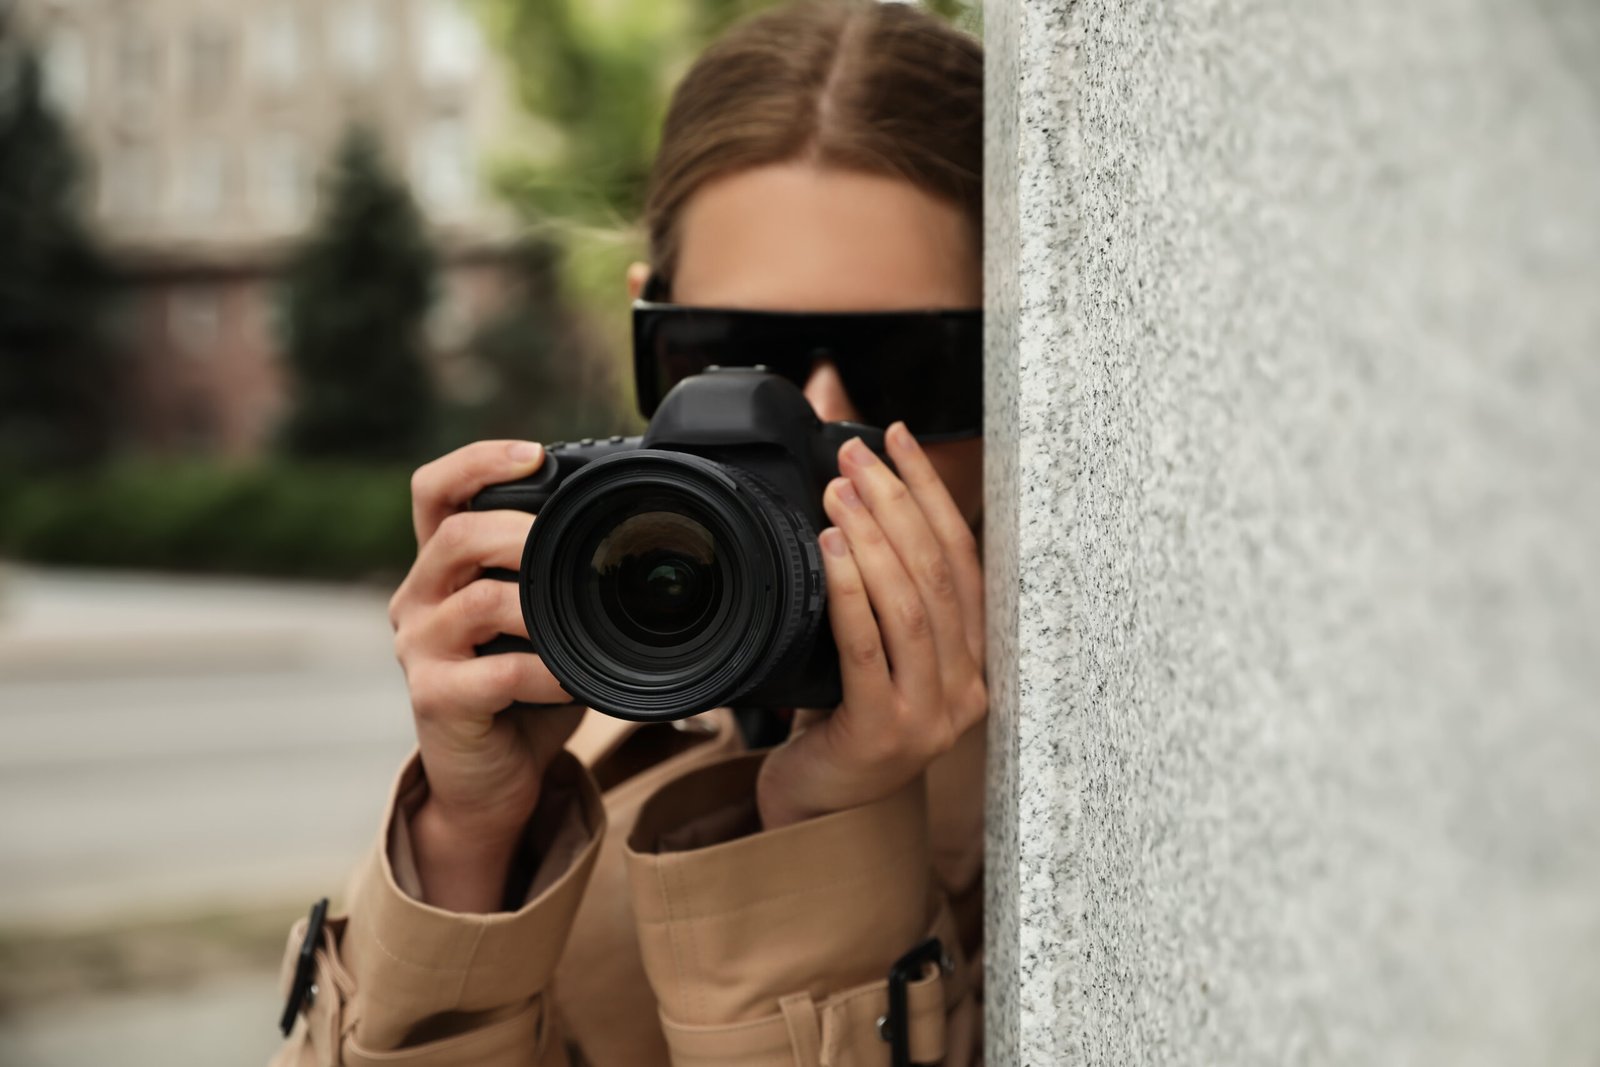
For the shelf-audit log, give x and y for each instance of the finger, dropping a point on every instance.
(473, 614)
(806, 718)
(948, 525)
(479, 688)
(863, 668)
(904, 621)
(445, 485)
(900, 516)
(461, 548)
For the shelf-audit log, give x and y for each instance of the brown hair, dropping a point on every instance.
(883, 88)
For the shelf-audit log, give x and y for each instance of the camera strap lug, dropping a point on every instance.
(302, 990)
(895, 1027)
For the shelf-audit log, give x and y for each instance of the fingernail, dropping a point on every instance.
(856, 451)
(902, 436)
(847, 493)
(833, 542)
(525, 452)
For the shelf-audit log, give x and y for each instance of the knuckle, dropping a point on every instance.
(894, 491)
(963, 541)
(974, 704)
(505, 673)
(454, 532)
(422, 482)
(913, 617)
(849, 587)
(938, 737)
(868, 533)
(864, 652)
(404, 646)
(939, 578)
(890, 745)
(482, 598)
(864, 533)
(425, 692)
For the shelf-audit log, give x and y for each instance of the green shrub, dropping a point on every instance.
(300, 520)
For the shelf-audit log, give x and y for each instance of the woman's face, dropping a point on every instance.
(799, 237)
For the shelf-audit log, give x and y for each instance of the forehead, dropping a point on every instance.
(801, 237)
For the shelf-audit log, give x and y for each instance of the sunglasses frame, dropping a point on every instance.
(653, 305)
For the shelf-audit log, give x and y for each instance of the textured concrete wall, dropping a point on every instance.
(1294, 461)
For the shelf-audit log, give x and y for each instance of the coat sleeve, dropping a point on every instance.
(773, 947)
(401, 982)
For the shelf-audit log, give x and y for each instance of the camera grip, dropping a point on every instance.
(835, 434)
(525, 494)
(509, 642)
(562, 460)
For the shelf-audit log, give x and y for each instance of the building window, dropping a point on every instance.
(442, 165)
(279, 191)
(276, 55)
(209, 49)
(138, 60)
(137, 78)
(358, 39)
(202, 183)
(130, 183)
(67, 71)
(447, 41)
(194, 322)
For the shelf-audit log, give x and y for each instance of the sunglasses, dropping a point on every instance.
(922, 367)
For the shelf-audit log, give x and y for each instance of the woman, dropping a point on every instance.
(551, 888)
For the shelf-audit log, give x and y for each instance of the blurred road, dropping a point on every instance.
(228, 1021)
(176, 742)
(181, 747)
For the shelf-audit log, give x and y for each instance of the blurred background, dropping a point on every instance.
(257, 262)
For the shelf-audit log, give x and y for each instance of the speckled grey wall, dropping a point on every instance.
(1294, 456)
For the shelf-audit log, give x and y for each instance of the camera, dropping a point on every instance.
(679, 571)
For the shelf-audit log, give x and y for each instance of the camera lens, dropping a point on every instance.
(660, 584)
(656, 577)
(648, 592)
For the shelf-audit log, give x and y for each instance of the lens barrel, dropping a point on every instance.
(657, 585)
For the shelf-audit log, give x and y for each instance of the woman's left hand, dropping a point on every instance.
(905, 598)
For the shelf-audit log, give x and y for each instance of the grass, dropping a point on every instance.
(41, 964)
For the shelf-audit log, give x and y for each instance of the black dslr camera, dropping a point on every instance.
(678, 572)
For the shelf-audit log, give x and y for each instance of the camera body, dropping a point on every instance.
(680, 571)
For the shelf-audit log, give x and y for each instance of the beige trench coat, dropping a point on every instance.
(662, 926)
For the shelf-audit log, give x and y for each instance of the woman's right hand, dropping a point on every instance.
(484, 760)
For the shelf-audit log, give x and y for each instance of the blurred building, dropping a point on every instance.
(206, 124)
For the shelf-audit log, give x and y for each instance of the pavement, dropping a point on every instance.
(220, 1024)
(173, 746)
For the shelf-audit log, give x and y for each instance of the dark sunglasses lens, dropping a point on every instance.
(926, 370)
(671, 344)
(923, 368)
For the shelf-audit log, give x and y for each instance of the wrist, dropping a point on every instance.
(796, 785)
(463, 866)
(778, 804)
(775, 815)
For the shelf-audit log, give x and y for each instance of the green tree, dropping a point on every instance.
(356, 300)
(55, 388)
(597, 79)
(532, 375)
(594, 81)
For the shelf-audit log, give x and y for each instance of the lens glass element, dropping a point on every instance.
(657, 578)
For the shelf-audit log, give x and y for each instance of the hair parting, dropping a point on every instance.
(879, 88)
